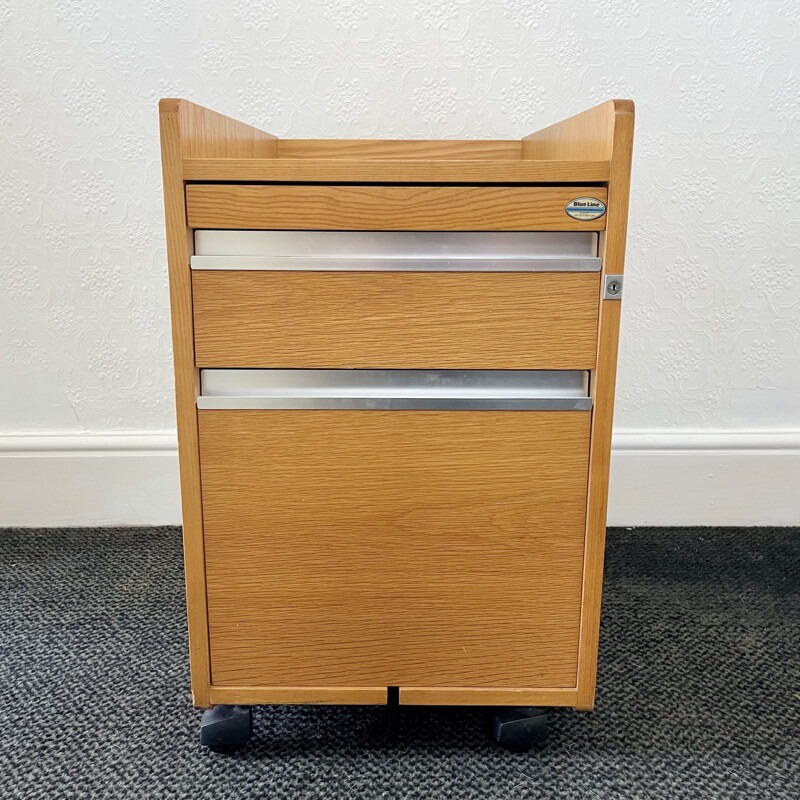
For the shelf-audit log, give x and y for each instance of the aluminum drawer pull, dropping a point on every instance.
(398, 403)
(392, 251)
(396, 264)
(395, 390)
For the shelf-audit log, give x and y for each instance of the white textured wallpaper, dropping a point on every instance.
(711, 325)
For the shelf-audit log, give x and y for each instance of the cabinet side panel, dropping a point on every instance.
(179, 250)
(586, 136)
(612, 250)
(207, 134)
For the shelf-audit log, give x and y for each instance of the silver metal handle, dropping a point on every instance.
(395, 264)
(395, 390)
(399, 403)
(396, 251)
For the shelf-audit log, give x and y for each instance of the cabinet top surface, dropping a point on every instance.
(212, 147)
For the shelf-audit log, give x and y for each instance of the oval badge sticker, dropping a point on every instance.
(585, 208)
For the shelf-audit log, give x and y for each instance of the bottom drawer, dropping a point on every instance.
(394, 547)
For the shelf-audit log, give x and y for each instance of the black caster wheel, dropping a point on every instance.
(225, 729)
(519, 729)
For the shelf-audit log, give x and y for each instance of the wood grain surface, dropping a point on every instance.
(403, 150)
(466, 168)
(483, 696)
(415, 548)
(588, 135)
(179, 250)
(203, 133)
(423, 208)
(299, 695)
(394, 320)
(603, 385)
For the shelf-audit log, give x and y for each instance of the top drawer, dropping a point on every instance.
(421, 208)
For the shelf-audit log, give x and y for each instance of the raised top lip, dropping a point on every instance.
(205, 130)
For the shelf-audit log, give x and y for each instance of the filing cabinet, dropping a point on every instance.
(394, 369)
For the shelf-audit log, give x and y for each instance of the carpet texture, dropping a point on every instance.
(698, 688)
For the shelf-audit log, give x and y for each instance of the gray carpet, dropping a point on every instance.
(699, 686)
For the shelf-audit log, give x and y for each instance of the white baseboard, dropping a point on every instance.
(657, 478)
(89, 479)
(705, 478)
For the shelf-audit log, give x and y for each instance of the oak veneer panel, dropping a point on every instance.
(204, 133)
(482, 696)
(423, 208)
(395, 168)
(380, 548)
(588, 135)
(179, 249)
(612, 246)
(300, 695)
(395, 320)
(401, 149)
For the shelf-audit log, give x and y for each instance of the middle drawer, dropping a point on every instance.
(497, 307)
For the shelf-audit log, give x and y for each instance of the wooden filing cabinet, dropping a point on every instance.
(394, 369)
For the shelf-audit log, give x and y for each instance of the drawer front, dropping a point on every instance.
(394, 548)
(422, 208)
(402, 320)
